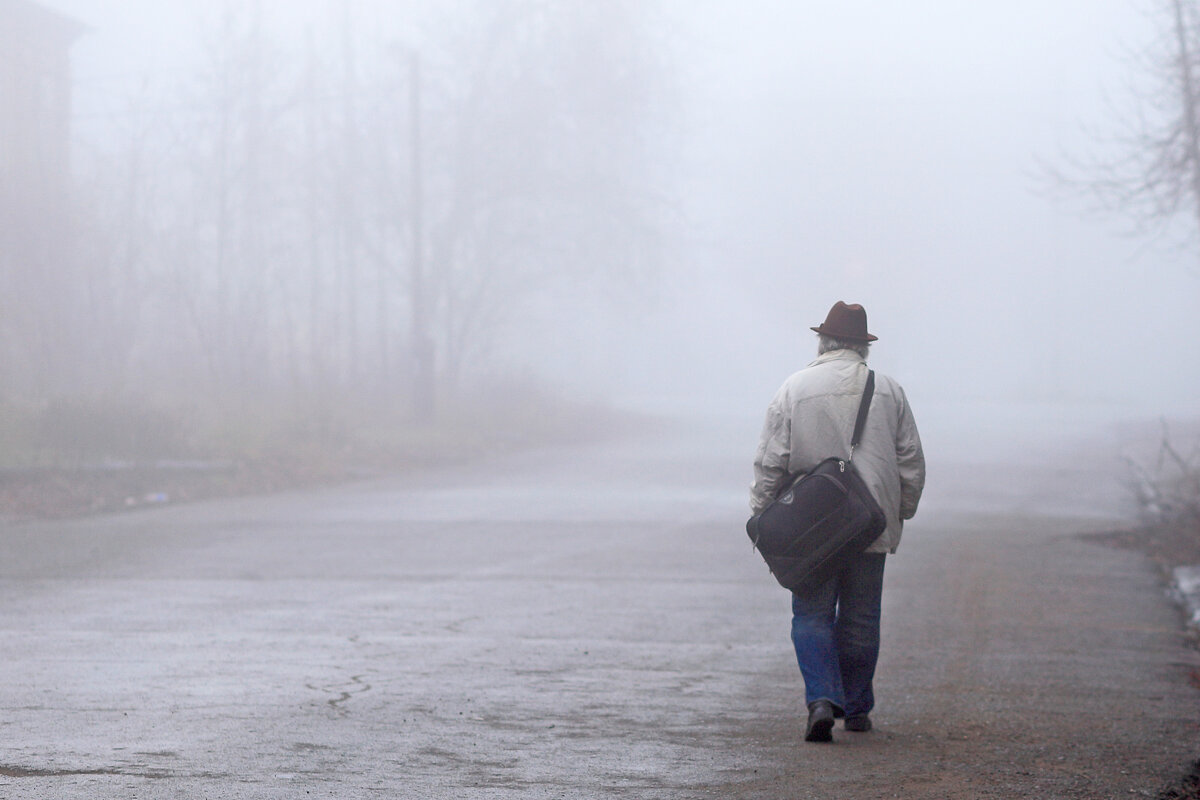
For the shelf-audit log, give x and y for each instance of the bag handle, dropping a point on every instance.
(864, 406)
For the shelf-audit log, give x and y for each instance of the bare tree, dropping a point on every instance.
(304, 223)
(545, 177)
(1154, 176)
(227, 222)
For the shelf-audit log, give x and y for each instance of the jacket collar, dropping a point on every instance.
(838, 355)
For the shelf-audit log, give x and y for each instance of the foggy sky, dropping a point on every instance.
(874, 152)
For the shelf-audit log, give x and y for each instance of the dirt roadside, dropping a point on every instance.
(1168, 545)
(109, 486)
(66, 493)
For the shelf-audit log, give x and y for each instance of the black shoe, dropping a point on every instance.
(820, 722)
(859, 723)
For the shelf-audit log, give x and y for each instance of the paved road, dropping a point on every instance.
(589, 622)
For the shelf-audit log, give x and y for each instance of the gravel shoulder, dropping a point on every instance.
(1020, 660)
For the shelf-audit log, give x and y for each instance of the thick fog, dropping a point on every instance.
(470, 311)
(752, 163)
(892, 154)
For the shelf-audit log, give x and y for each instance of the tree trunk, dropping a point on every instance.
(1187, 88)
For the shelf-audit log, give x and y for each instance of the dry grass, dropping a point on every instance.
(69, 460)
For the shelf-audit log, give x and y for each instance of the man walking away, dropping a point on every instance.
(835, 628)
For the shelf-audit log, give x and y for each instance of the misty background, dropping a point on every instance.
(637, 203)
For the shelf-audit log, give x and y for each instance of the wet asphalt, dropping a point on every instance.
(582, 621)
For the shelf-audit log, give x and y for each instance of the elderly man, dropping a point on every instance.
(835, 629)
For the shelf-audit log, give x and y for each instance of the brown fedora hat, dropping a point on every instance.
(846, 322)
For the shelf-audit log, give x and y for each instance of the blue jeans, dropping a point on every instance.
(836, 633)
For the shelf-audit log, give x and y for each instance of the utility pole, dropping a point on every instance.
(422, 345)
(314, 338)
(348, 207)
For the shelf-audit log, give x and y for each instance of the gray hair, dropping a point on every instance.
(827, 343)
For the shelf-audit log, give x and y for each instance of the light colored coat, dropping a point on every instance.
(812, 418)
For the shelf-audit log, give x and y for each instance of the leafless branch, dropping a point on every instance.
(1170, 492)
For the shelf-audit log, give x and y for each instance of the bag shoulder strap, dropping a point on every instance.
(864, 406)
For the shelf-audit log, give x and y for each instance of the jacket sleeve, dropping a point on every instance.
(771, 460)
(910, 458)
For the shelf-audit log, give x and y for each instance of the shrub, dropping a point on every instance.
(76, 431)
(1168, 491)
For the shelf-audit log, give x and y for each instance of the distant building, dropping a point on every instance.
(35, 98)
(36, 228)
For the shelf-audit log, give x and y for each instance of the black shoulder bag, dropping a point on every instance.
(822, 519)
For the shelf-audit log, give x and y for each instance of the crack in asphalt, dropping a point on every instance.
(357, 685)
(10, 771)
(31, 772)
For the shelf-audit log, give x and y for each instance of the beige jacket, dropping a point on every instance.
(812, 418)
